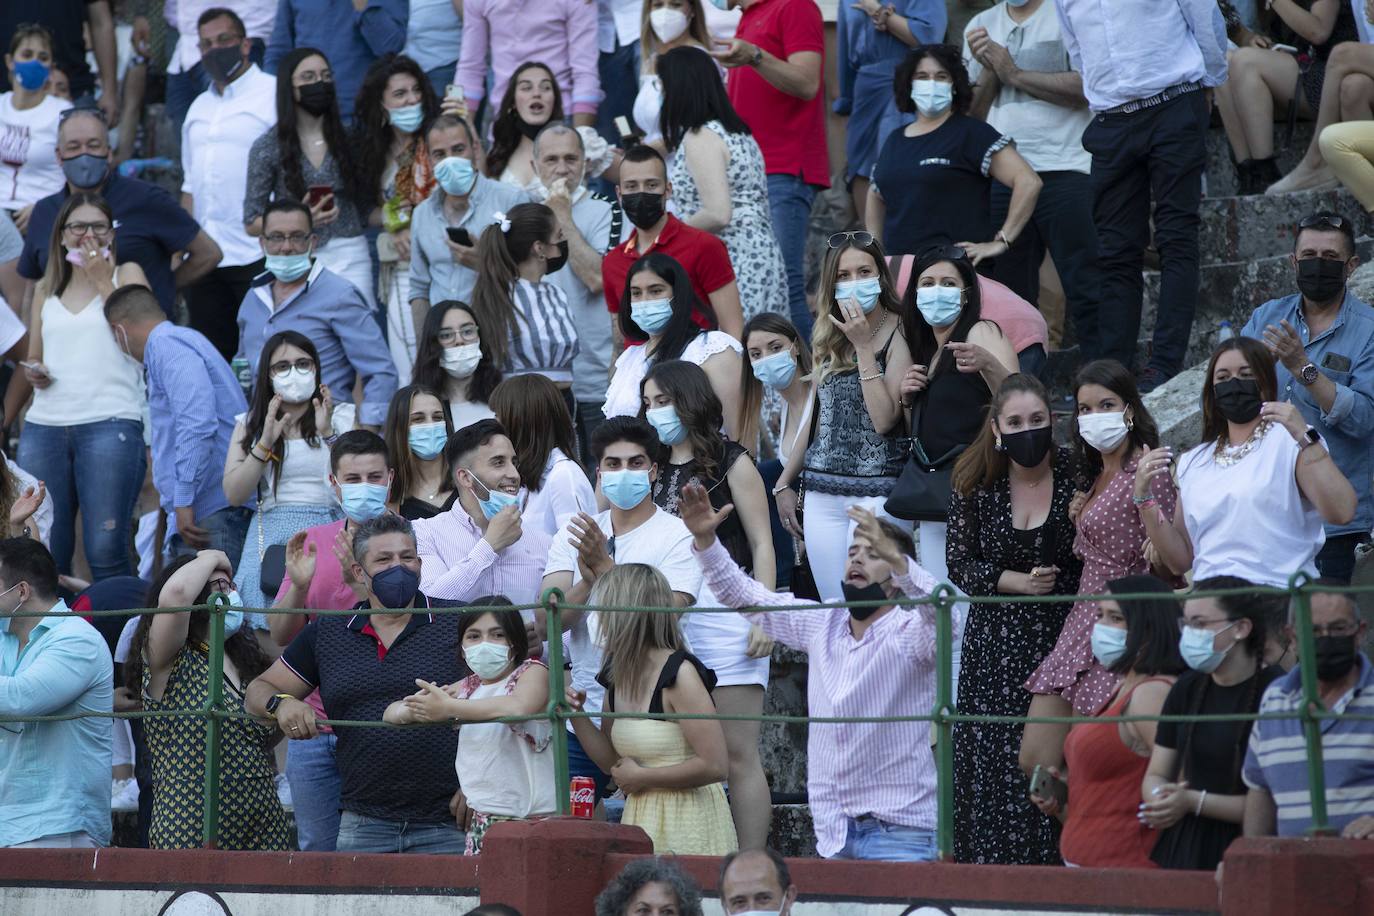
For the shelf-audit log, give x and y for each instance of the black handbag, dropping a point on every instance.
(921, 493)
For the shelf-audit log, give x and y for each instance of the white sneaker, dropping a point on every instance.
(283, 790)
(124, 795)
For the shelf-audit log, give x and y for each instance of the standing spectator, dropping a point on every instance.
(643, 194)
(933, 180)
(757, 879)
(398, 783)
(871, 40)
(350, 33)
(1136, 639)
(718, 174)
(434, 33)
(216, 164)
(418, 424)
(186, 76)
(1322, 338)
(29, 114)
(532, 101)
(68, 21)
(1193, 793)
(454, 357)
(667, 25)
(56, 788)
(298, 293)
(193, 402)
(561, 33)
(1009, 534)
(1035, 98)
(1147, 73)
(481, 546)
(592, 225)
(306, 157)
(1277, 802)
(83, 435)
(778, 58)
(619, 28)
(151, 229)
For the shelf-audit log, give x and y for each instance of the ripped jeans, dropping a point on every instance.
(96, 468)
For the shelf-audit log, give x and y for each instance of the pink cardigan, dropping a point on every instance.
(1019, 320)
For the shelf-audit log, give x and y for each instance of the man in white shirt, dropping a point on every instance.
(220, 127)
(1026, 89)
(186, 77)
(633, 530)
(592, 225)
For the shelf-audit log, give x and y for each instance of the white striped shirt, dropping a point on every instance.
(883, 769)
(545, 337)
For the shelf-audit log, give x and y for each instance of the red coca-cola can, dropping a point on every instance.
(582, 791)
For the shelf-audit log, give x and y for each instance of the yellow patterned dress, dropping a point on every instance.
(250, 815)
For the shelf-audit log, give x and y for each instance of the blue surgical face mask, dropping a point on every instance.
(932, 97)
(1109, 644)
(940, 305)
(32, 74)
(427, 440)
(1195, 645)
(652, 315)
(406, 119)
(288, 267)
(721, 4)
(233, 619)
(865, 291)
(495, 500)
(776, 371)
(667, 424)
(363, 501)
(625, 489)
(455, 175)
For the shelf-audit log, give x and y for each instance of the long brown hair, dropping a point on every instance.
(59, 270)
(750, 388)
(505, 130)
(536, 418)
(397, 435)
(831, 351)
(1261, 363)
(260, 402)
(982, 465)
(499, 256)
(697, 407)
(1120, 381)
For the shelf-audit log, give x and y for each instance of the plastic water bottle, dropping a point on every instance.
(1225, 331)
(131, 168)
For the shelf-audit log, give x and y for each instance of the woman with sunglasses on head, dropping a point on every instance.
(83, 434)
(454, 358)
(418, 425)
(1251, 443)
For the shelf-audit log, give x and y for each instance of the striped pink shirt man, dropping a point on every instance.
(854, 770)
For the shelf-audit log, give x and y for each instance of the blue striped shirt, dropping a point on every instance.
(1277, 758)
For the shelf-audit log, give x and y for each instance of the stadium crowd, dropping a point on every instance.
(463, 301)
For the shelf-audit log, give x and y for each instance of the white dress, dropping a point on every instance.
(622, 394)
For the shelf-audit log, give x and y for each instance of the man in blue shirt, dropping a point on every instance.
(54, 776)
(193, 400)
(351, 34)
(1323, 340)
(298, 293)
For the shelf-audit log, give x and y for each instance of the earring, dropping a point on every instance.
(998, 446)
(1130, 424)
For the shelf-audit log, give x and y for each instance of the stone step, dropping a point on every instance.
(1259, 226)
(1221, 175)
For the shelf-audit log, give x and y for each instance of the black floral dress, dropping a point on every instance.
(994, 820)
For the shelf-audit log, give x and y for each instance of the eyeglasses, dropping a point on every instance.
(277, 239)
(1345, 628)
(80, 229)
(942, 253)
(467, 334)
(221, 584)
(1323, 220)
(857, 236)
(283, 368)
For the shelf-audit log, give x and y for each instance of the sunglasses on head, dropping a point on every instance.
(942, 253)
(857, 236)
(1324, 221)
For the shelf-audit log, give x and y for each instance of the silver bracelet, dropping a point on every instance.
(1200, 799)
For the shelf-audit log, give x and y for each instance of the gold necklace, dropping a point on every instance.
(1225, 455)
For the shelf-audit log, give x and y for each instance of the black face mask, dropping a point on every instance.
(1335, 656)
(528, 129)
(222, 64)
(1238, 399)
(642, 207)
(556, 263)
(317, 98)
(1029, 446)
(871, 592)
(1321, 279)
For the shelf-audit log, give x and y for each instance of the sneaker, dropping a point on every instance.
(283, 790)
(124, 795)
(1149, 379)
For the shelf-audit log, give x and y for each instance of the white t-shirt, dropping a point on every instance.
(1048, 136)
(465, 413)
(304, 469)
(28, 151)
(563, 492)
(662, 542)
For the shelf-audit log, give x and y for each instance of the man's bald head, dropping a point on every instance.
(756, 879)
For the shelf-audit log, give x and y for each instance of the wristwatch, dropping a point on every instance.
(274, 701)
(1308, 374)
(757, 58)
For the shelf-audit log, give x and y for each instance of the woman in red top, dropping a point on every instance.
(1138, 640)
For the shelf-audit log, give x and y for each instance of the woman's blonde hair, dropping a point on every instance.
(59, 271)
(627, 637)
(831, 351)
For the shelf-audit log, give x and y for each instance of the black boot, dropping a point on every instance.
(1264, 172)
(1245, 177)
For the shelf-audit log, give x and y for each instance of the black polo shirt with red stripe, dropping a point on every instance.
(398, 774)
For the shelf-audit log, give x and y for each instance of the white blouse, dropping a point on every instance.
(622, 394)
(304, 469)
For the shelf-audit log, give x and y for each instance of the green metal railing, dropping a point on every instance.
(942, 718)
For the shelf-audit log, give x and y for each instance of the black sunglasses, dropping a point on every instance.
(1324, 220)
(942, 253)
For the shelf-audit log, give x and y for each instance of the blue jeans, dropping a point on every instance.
(870, 839)
(441, 76)
(789, 206)
(360, 833)
(579, 764)
(96, 468)
(784, 552)
(228, 529)
(619, 71)
(313, 773)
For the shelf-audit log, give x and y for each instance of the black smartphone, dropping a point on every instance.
(459, 236)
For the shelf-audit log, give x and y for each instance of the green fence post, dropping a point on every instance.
(210, 833)
(1311, 700)
(944, 596)
(553, 627)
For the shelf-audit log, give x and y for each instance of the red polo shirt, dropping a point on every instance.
(702, 254)
(789, 130)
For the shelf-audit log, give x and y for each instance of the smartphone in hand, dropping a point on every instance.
(459, 236)
(1046, 785)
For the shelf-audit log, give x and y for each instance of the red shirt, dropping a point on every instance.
(789, 130)
(701, 254)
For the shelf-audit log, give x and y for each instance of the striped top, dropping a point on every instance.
(1277, 758)
(545, 338)
(884, 769)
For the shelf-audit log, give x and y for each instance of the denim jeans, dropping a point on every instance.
(870, 839)
(228, 529)
(619, 72)
(588, 418)
(784, 550)
(360, 833)
(1336, 559)
(441, 76)
(96, 468)
(579, 764)
(313, 773)
(789, 206)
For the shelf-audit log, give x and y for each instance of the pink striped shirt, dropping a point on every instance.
(882, 769)
(457, 563)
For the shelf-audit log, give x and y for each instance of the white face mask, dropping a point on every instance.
(1103, 431)
(461, 361)
(296, 387)
(668, 24)
(487, 659)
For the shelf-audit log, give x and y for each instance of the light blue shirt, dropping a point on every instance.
(434, 275)
(858, 45)
(433, 35)
(1134, 49)
(55, 776)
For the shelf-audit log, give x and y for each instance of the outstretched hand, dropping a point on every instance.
(700, 517)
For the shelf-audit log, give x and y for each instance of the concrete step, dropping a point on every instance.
(1259, 226)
